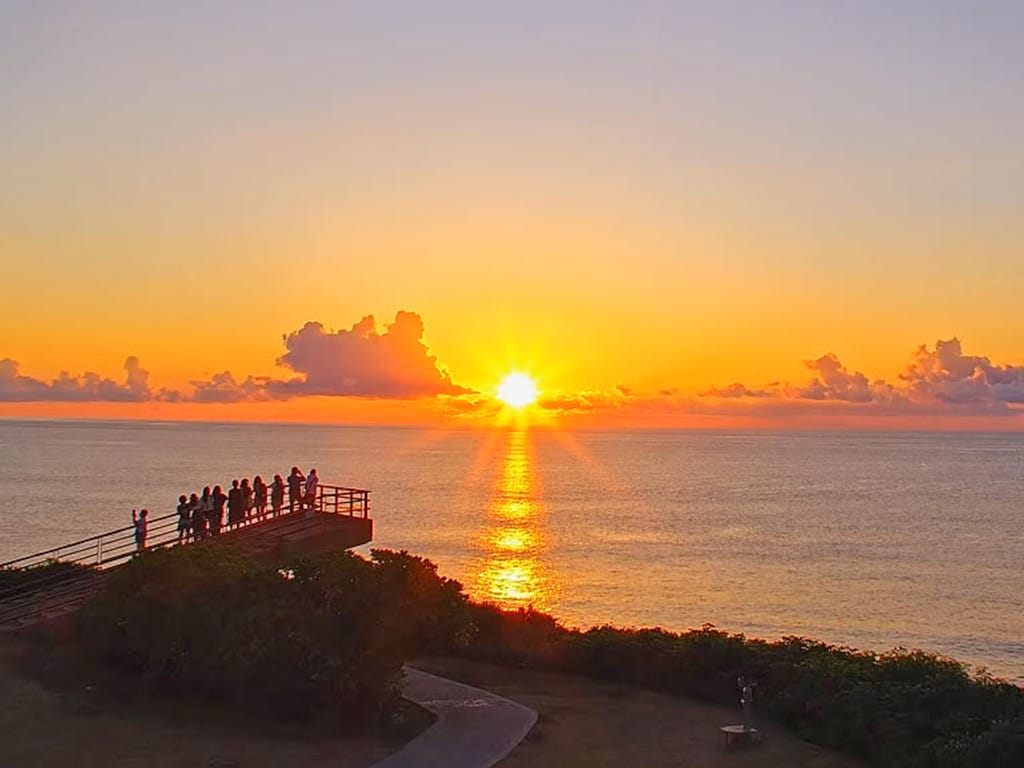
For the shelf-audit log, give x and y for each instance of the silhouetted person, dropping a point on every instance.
(206, 501)
(277, 495)
(198, 517)
(184, 519)
(259, 494)
(295, 482)
(141, 526)
(236, 500)
(311, 483)
(217, 518)
(246, 497)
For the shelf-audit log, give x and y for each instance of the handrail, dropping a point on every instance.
(110, 548)
(47, 552)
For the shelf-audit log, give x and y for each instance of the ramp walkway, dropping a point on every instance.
(474, 729)
(53, 582)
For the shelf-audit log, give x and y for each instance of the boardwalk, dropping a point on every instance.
(47, 584)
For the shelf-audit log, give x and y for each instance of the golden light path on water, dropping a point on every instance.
(511, 571)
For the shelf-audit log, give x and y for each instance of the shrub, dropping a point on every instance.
(416, 596)
(523, 637)
(215, 622)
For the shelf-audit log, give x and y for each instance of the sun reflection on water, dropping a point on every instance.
(511, 571)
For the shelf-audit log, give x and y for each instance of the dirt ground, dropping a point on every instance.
(54, 716)
(592, 724)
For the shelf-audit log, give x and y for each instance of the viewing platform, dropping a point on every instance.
(55, 581)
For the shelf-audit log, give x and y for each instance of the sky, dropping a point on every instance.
(668, 214)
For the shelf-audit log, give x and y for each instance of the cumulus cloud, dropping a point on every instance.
(943, 376)
(363, 362)
(947, 375)
(833, 381)
(87, 387)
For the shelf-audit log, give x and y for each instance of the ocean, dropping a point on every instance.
(866, 539)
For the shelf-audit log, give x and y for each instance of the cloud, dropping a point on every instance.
(222, 388)
(87, 387)
(585, 402)
(735, 390)
(835, 382)
(363, 362)
(940, 379)
(467, 405)
(394, 363)
(947, 375)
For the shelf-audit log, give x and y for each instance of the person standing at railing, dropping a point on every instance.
(198, 517)
(184, 519)
(246, 497)
(311, 483)
(217, 518)
(141, 526)
(295, 482)
(277, 495)
(259, 492)
(236, 512)
(206, 504)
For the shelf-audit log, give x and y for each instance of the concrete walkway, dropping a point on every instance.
(474, 728)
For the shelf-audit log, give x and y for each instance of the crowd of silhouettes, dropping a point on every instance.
(200, 516)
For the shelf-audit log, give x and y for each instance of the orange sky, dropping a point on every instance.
(637, 208)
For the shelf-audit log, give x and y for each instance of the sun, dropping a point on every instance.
(517, 390)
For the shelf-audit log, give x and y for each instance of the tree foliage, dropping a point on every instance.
(326, 633)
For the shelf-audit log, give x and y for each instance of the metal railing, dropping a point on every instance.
(335, 500)
(74, 564)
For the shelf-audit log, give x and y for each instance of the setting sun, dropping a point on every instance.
(517, 390)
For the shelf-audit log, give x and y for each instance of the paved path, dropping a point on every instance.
(474, 728)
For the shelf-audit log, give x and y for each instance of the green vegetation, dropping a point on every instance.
(330, 633)
(902, 708)
(321, 635)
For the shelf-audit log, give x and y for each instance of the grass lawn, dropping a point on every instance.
(592, 724)
(57, 713)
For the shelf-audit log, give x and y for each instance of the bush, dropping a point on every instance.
(524, 637)
(316, 635)
(414, 595)
(905, 708)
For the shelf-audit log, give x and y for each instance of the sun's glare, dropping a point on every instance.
(517, 390)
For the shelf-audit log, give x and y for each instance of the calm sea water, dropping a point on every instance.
(866, 539)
